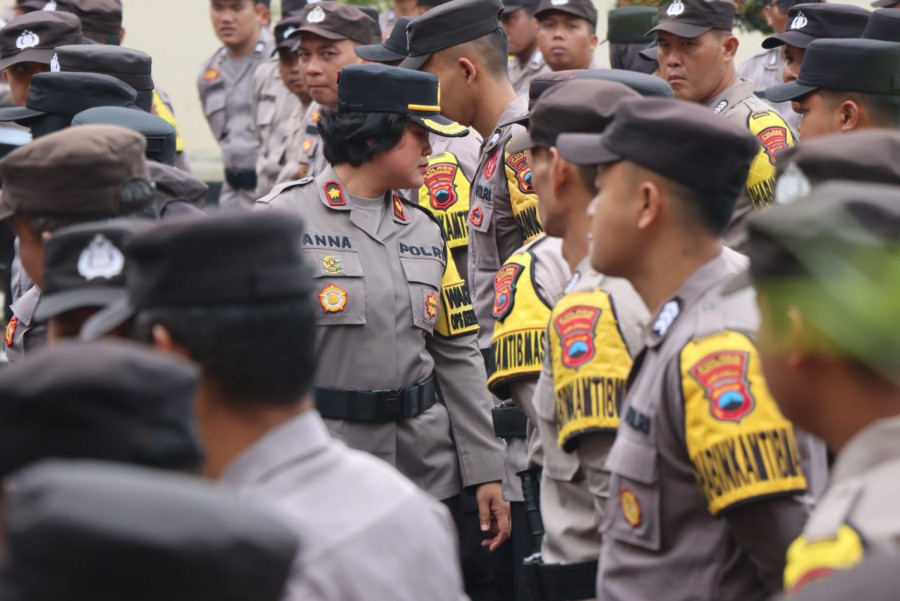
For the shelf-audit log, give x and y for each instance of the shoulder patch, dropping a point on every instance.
(505, 289)
(809, 561)
(774, 136)
(741, 446)
(522, 198)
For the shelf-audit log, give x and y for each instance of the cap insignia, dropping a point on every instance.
(333, 298)
(101, 259)
(667, 317)
(799, 21)
(792, 184)
(332, 265)
(559, 2)
(316, 15)
(27, 39)
(334, 194)
(720, 107)
(50, 5)
(675, 9)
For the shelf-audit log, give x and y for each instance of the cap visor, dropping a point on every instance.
(376, 53)
(737, 283)
(798, 39)
(520, 143)
(585, 149)
(107, 320)
(415, 62)
(788, 91)
(682, 30)
(52, 305)
(30, 55)
(440, 125)
(18, 113)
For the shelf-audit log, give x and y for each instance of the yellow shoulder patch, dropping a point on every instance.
(445, 194)
(809, 561)
(774, 135)
(520, 324)
(456, 316)
(522, 196)
(590, 364)
(741, 446)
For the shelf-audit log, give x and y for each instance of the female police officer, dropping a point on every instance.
(399, 374)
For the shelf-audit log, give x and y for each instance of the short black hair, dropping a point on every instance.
(355, 138)
(263, 352)
(883, 109)
(713, 213)
(492, 49)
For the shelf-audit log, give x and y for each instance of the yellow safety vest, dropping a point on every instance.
(445, 194)
(161, 110)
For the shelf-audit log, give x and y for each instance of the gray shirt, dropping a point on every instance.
(365, 531)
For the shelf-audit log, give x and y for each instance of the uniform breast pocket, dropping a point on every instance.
(265, 113)
(482, 245)
(339, 286)
(424, 280)
(633, 509)
(214, 109)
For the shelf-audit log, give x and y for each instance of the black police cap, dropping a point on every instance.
(160, 135)
(808, 22)
(864, 66)
(884, 24)
(69, 94)
(643, 84)
(391, 50)
(386, 89)
(449, 25)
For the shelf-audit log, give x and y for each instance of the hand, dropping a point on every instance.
(493, 513)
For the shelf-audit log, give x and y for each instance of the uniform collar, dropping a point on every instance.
(698, 283)
(516, 111)
(875, 445)
(297, 439)
(332, 195)
(732, 95)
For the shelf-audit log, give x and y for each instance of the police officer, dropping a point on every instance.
(451, 165)
(722, 526)
(328, 33)
(525, 58)
(503, 208)
(765, 68)
(823, 267)
(567, 34)
(108, 401)
(26, 47)
(845, 85)
(225, 86)
(278, 91)
(46, 186)
(809, 22)
(255, 411)
(111, 532)
(627, 28)
(130, 66)
(709, 78)
(102, 23)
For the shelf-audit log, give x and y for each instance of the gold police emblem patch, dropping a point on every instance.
(631, 507)
(332, 264)
(333, 298)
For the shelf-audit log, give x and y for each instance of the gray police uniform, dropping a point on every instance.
(520, 75)
(272, 106)
(740, 105)
(23, 334)
(503, 213)
(226, 91)
(303, 155)
(857, 517)
(764, 70)
(349, 508)
(385, 282)
(702, 443)
(573, 506)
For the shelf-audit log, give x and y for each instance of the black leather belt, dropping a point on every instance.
(376, 405)
(560, 581)
(241, 179)
(509, 421)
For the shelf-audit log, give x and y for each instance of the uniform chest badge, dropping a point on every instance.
(490, 167)
(332, 265)
(334, 194)
(314, 116)
(306, 145)
(10, 332)
(431, 306)
(441, 189)
(631, 507)
(476, 217)
(333, 298)
(519, 164)
(211, 75)
(723, 377)
(575, 327)
(505, 290)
